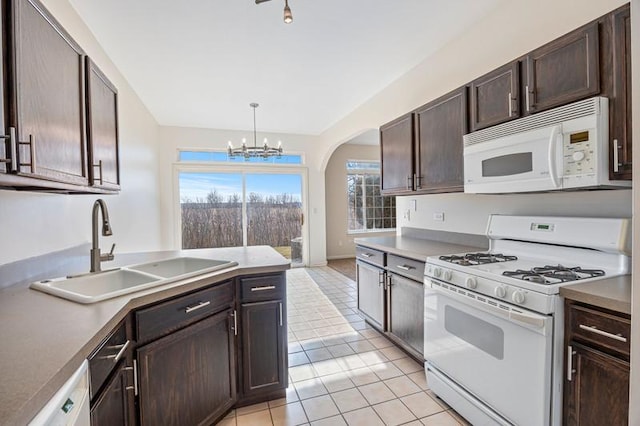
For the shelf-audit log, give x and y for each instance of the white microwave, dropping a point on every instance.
(562, 148)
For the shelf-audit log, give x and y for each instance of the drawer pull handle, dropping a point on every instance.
(263, 288)
(405, 267)
(116, 357)
(200, 305)
(367, 255)
(570, 369)
(594, 329)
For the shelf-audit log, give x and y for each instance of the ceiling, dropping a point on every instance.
(200, 63)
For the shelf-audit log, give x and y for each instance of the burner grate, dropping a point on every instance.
(554, 274)
(471, 259)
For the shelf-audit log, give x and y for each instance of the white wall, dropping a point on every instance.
(468, 213)
(34, 223)
(339, 242)
(173, 138)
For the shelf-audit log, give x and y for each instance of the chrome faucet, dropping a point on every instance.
(96, 257)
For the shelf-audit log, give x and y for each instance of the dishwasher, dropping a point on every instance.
(70, 405)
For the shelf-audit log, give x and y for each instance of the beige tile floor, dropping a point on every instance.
(341, 371)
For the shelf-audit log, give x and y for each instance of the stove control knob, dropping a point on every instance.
(471, 283)
(500, 291)
(446, 275)
(437, 272)
(518, 296)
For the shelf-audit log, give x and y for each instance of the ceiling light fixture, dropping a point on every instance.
(288, 16)
(264, 151)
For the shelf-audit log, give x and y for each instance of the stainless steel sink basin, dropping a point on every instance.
(182, 267)
(95, 287)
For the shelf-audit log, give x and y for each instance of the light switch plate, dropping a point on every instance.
(438, 216)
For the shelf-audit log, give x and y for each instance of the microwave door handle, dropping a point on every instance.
(552, 155)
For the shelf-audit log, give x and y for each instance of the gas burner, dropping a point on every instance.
(553, 274)
(471, 259)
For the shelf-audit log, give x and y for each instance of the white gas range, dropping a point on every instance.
(494, 320)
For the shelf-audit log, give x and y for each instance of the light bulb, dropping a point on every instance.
(288, 16)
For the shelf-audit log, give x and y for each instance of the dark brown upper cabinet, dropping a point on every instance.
(397, 154)
(46, 96)
(620, 94)
(440, 125)
(495, 97)
(563, 71)
(58, 113)
(102, 129)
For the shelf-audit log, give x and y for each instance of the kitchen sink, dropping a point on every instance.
(98, 286)
(182, 267)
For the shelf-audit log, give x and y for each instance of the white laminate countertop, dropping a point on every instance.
(415, 248)
(46, 338)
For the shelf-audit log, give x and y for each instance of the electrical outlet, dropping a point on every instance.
(438, 217)
(407, 214)
(414, 205)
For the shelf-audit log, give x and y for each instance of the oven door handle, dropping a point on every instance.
(530, 320)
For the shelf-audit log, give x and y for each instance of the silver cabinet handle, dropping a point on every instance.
(32, 153)
(616, 164)
(116, 357)
(135, 377)
(367, 255)
(526, 96)
(11, 140)
(409, 183)
(509, 104)
(200, 305)
(235, 322)
(280, 307)
(594, 329)
(570, 370)
(405, 267)
(99, 166)
(263, 288)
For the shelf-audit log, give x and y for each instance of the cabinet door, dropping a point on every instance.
(102, 129)
(371, 293)
(563, 71)
(620, 100)
(598, 393)
(397, 156)
(188, 377)
(440, 126)
(112, 407)
(264, 347)
(495, 97)
(47, 99)
(406, 313)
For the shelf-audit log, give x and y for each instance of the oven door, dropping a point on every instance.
(499, 354)
(524, 162)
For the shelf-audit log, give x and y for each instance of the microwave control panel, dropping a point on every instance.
(578, 150)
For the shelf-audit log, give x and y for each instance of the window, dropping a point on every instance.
(368, 210)
(223, 157)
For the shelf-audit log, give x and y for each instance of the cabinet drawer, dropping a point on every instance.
(270, 287)
(413, 269)
(370, 255)
(167, 316)
(602, 330)
(106, 357)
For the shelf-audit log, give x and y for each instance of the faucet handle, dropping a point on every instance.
(108, 256)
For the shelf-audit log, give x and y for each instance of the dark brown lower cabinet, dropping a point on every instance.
(405, 325)
(112, 407)
(596, 372)
(188, 377)
(264, 347)
(598, 393)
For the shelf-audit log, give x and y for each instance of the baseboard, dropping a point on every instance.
(342, 256)
(317, 265)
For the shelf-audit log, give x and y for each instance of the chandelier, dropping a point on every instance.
(265, 151)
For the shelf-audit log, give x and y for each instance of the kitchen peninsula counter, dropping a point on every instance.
(46, 338)
(612, 293)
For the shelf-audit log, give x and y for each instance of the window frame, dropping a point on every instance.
(363, 172)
